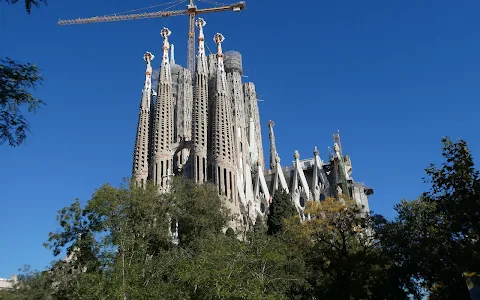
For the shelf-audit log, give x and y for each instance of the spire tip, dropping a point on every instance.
(219, 38)
(148, 56)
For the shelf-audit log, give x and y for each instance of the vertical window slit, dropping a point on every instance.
(161, 173)
(204, 169)
(225, 181)
(231, 189)
(198, 168)
(217, 177)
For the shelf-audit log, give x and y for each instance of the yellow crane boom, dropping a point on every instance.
(191, 10)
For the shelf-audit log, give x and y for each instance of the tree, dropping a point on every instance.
(120, 244)
(197, 208)
(29, 284)
(435, 238)
(28, 3)
(224, 267)
(342, 254)
(280, 209)
(16, 80)
(456, 189)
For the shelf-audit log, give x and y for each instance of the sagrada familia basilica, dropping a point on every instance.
(206, 126)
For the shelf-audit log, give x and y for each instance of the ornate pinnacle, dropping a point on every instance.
(201, 41)
(296, 155)
(148, 57)
(273, 148)
(315, 151)
(219, 38)
(200, 23)
(165, 33)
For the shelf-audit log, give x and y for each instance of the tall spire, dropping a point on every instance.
(141, 151)
(166, 74)
(251, 106)
(200, 120)
(273, 148)
(222, 133)
(163, 121)
(148, 57)
(201, 59)
(221, 76)
(172, 54)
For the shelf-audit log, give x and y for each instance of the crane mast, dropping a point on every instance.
(191, 11)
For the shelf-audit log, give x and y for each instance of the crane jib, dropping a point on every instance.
(191, 10)
(158, 14)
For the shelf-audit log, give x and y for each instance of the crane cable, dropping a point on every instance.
(212, 2)
(174, 3)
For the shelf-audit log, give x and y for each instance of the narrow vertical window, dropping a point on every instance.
(231, 185)
(204, 169)
(161, 173)
(217, 177)
(225, 182)
(198, 168)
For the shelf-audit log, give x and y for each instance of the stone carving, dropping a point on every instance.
(339, 190)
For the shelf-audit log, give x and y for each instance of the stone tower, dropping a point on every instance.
(142, 141)
(200, 120)
(224, 175)
(253, 114)
(206, 126)
(162, 162)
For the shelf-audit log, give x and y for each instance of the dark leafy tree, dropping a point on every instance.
(435, 238)
(16, 82)
(342, 254)
(28, 3)
(197, 208)
(456, 189)
(280, 209)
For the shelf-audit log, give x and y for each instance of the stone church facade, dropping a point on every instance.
(206, 126)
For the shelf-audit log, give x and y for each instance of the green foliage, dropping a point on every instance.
(456, 189)
(197, 208)
(119, 245)
(280, 209)
(30, 285)
(342, 253)
(435, 238)
(224, 267)
(28, 3)
(16, 81)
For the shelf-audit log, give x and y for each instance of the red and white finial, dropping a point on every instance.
(200, 23)
(202, 61)
(165, 33)
(221, 77)
(148, 57)
(219, 38)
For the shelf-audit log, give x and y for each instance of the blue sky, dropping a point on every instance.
(392, 76)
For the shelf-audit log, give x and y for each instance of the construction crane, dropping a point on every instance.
(191, 11)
